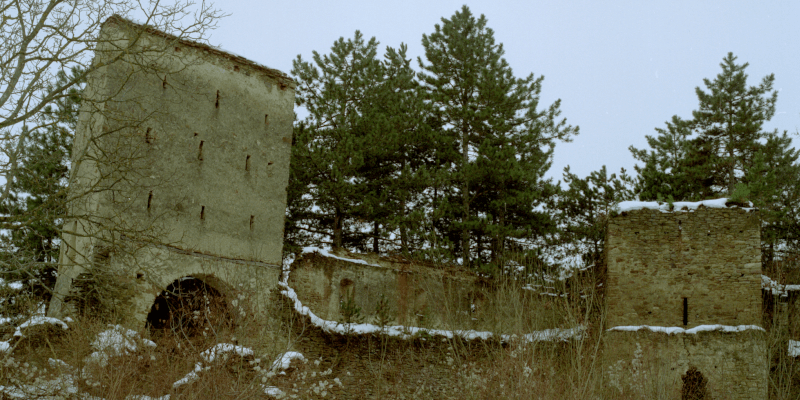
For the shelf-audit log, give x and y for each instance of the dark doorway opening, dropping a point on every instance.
(189, 309)
(694, 385)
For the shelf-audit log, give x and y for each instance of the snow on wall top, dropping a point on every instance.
(625, 206)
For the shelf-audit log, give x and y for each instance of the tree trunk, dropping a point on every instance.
(337, 229)
(464, 197)
(375, 234)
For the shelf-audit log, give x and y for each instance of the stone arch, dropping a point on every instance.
(190, 307)
(694, 385)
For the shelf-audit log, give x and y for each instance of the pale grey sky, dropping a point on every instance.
(621, 69)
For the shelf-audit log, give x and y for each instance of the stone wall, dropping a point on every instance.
(710, 257)
(417, 295)
(183, 146)
(651, 364)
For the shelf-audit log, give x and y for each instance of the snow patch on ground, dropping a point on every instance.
(672, 330)
(273, 391)
(39, 320)
(625, 206)
(115, 342)
(223, 350)
(285, 360)
(794, 348)
(776, 288)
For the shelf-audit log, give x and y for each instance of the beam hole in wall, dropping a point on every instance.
(177, 48)
(195, 134)
(247, 163)
(189, 309)
(200, 151)
(235, 68)
(269, 163)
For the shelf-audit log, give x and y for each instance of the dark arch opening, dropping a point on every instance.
(694, 385)
(189, 309)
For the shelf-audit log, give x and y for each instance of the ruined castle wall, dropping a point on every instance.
(710, 257)
(651, 364)
(184, 146)
(416, 295)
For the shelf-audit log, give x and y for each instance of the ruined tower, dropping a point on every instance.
(684, 300)
(180, 167)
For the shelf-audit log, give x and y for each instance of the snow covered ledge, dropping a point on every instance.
(688, 206)
(673, 330)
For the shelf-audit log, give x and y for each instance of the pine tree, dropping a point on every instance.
(584, 208)
(504, 143)
(330, 147)
(730, 118)
(404, 152)
(38, 204)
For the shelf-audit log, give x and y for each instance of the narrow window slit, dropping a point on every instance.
(247, 164)
(147, 137)
(216, 105)
(200, 152)
(252, 219)
(164, 82)
(685, 311)
(202, 213)
(266, 119)
(149, 200)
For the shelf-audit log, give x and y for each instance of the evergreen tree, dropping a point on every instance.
(330, 147)
(405, 151)
(38, 203)
(504, 142)
(677, 166)
(584, 208)
(730, 118)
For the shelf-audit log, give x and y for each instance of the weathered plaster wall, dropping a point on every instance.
(644, 362)
(710, 256)
(417, 295)
(183, 146)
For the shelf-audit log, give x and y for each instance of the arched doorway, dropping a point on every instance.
(189, 309)
(694, 385)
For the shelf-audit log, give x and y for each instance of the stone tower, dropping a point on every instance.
(684, 293)
(180, 167)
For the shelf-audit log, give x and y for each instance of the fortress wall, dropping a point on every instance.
(416, 295)
(711, 257)
(652, 363)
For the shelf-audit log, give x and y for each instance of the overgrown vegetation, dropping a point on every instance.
(446, 165)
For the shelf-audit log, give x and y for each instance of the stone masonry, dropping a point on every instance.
(180, 167)
(684, 269)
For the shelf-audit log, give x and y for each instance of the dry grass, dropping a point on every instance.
(374, 366)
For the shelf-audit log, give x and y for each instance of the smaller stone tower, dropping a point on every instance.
(684, 293)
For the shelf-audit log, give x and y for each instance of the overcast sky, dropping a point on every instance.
(621, 69)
